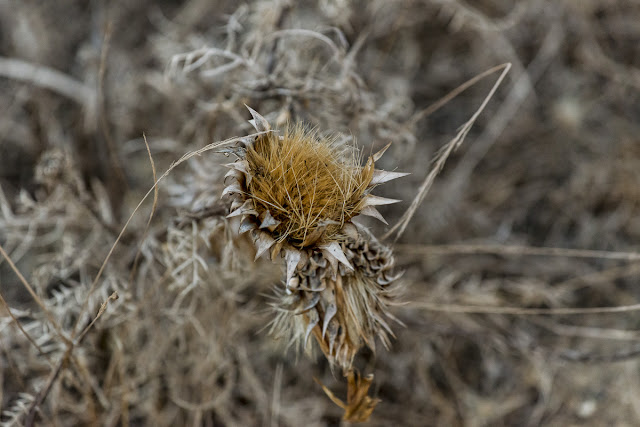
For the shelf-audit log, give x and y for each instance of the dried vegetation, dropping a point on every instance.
(502, 326)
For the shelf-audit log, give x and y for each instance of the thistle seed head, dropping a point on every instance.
(308, 184)
(296, 194)
(343, 308)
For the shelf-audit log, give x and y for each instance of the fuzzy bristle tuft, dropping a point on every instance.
(307, 183)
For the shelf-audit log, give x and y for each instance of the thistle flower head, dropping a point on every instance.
(296, 194)
(309, 185)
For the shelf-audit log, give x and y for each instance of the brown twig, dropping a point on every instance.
(35, 297)
(153, 210)
(520, 311)
(515, 250)
(104, 123)
(33, 408)
(25, 333)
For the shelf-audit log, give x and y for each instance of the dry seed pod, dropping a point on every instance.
(296, 194)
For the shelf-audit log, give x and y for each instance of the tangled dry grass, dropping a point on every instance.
(520, 263)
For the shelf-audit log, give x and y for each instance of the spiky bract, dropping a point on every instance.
(343, 308)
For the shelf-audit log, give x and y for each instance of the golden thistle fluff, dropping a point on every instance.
(296, 194)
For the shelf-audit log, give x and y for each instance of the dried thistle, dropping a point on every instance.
(296, 194)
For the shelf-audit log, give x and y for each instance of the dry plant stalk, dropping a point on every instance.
(297, 194)
(359, 405)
